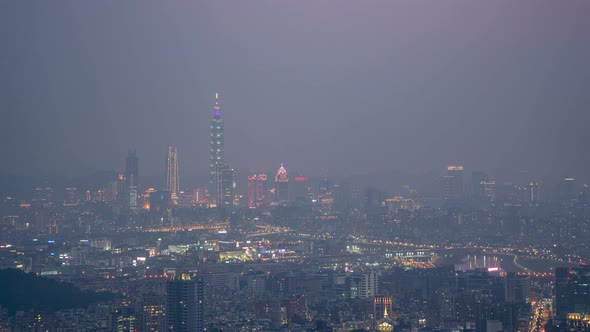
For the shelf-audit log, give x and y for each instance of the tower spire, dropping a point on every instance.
(217, 112)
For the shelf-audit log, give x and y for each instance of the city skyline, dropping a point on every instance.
(410, 81)
(361, 166)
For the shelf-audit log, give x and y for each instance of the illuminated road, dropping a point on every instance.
(186, 228)
(540, 314)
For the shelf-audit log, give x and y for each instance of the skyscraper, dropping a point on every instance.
(216, 141)
(184, 304)
(572, 290)
(452, 183)
(533, 192)
(256, 189)
(172, 173)
(569, 192)
(124, 318)
(153, 313)
(477, 180)
(301, 189)
(131, 180)
(224, 184)
(281, 185)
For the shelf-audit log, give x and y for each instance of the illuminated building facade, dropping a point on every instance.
(160, 206)
(153, 313)
(172, 173)
(224, 184)
(216, 142)
(124, 318)
(533, 192)
(489, 190)
(578, 322)
(398, 203)
(363, 285)
(569, 189)
(131, 180)
(477, 179)
(184, 304)
(452, 183)
(572, 290)
(256, 189)
(300, 189)
(281, 185)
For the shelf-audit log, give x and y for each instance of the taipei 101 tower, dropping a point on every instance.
(216, 141)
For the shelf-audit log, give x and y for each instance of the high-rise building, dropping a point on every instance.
(489, 190)
(452, 183)
(477, 179)
(533, 192)
(153, 313)
(363, 285)
(124, 318)
(577, 322)
(572, 290)
(160, 203)
(131, 180)
(323, 187)
(224, 184)
(281, 185)
(301, 189)
(517, 288)
(374, 207)
(256, 189)
(568, 191)
(184, 304)
(216, 141)
(172, 173)
(119, 189)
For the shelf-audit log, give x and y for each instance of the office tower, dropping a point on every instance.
(216, 141)
(281, 185)
(363, 285)
(184, 304)
(452, 183)
(489, 190)
(224, 184)
(477, 179)
(256, 189)
(124, 318)
(517, 288)
(568, 191)
(300, 189)
(172, 173)
(577, 322)
(72, 198)
(153, 313)
(374, 207)
(160, 206)
(572, 290)
(131, 180)
(120, 187)
(533, 192)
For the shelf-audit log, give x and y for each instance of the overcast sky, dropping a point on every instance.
(325, 86)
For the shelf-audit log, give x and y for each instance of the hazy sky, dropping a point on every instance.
(324, 86)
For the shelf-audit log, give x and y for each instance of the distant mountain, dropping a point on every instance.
(26, 291)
